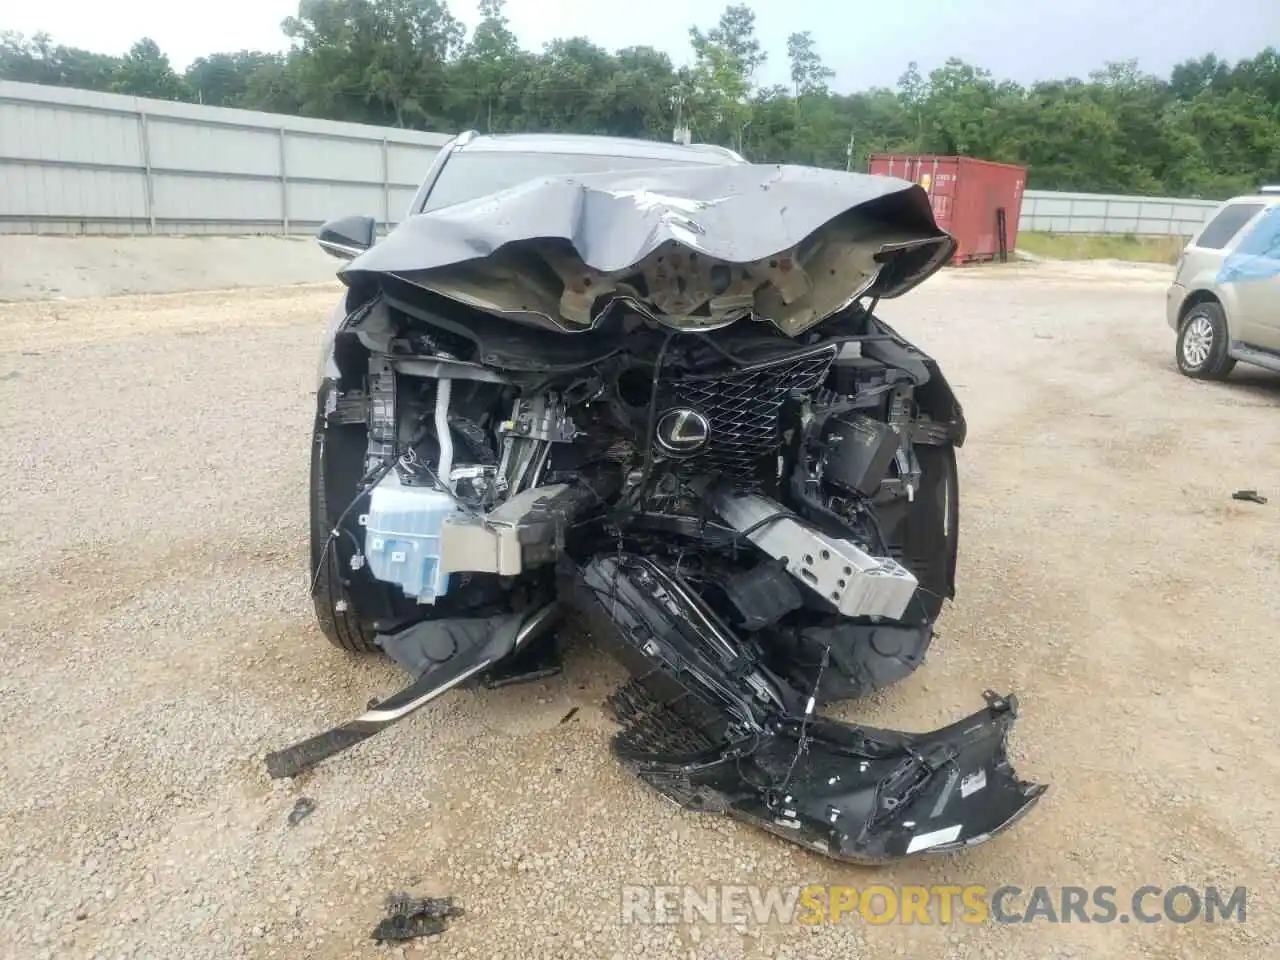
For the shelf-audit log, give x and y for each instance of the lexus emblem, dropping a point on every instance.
(683, 433)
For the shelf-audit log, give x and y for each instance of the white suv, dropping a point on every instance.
(1224, 302)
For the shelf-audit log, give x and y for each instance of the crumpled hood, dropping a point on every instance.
(693, 247)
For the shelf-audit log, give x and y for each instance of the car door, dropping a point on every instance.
(1251, 270)
(1200, 266)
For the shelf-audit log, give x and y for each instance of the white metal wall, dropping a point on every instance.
(1055, 212)
(74, 161)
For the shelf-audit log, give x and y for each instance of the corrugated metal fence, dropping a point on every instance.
(73, 161)
(1054, 212)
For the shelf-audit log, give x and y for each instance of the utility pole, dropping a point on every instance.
(681, 133)
(848, 154)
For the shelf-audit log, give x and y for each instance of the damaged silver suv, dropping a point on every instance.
(639, 391)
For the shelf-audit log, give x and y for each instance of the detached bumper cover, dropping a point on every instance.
(707, 725)
(855, 793)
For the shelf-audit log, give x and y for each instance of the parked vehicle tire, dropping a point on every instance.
(1202, 343)
(334, 614)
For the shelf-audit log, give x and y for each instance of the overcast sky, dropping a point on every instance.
(867, 42)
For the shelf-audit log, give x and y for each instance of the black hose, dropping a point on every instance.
(366, 483)
(653, 414)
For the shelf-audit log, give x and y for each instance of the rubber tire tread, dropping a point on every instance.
(1219, 363)
(340, 627)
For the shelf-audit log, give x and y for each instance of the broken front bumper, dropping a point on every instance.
(709, 725)
(855, 793)
(706, 724)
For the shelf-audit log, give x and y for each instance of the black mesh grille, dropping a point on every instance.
(743, 408)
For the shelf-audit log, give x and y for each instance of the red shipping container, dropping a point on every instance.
(967, 197)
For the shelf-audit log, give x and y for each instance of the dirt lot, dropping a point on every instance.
(157, 640)
(60, 268)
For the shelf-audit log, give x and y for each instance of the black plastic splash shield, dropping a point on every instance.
(854, 793)
(441, 654)
(711, 728)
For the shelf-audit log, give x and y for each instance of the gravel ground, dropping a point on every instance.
(157, 640)
(58, 268)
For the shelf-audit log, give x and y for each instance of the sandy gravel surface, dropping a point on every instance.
(157, 640)
(48, 268)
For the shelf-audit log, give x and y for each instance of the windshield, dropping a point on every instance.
(469, 175)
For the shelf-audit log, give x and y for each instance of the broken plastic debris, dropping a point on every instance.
(411, 917)
(302, 809)
(1251, 495)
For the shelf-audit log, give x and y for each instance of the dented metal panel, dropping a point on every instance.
(694, 247)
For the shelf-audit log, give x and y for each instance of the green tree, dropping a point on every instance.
(566, 87)
(38, 60)
(639, 97)
(735, 33)
(809, 75)
(1192, 77)
(962, 111)
(228, 79)
(913, 93)
(380, 61)
(485, 82)
(725, 58)
(1239, 140)
(1068, 142)
(1259, 75)
(146, 72)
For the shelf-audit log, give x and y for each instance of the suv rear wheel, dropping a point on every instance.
(1202, 343)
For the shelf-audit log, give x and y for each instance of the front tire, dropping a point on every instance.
(334, 613)
(1201, 350)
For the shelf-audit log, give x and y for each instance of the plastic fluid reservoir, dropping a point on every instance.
(402, 536)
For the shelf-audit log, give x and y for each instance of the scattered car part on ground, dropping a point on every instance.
(1251, 496)
(658, 405)
(303, 807)
(410, 918)
(473, 644)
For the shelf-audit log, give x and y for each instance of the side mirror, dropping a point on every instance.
(347, 237)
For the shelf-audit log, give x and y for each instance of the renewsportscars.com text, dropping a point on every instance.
(940, 904)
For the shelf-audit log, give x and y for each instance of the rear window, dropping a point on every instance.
(1219, 231)
(469, 175)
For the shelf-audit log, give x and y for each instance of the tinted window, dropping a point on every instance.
(1226, 225)
(1257, 255)
(469, 175)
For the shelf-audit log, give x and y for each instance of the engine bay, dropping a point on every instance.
(799, 487)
